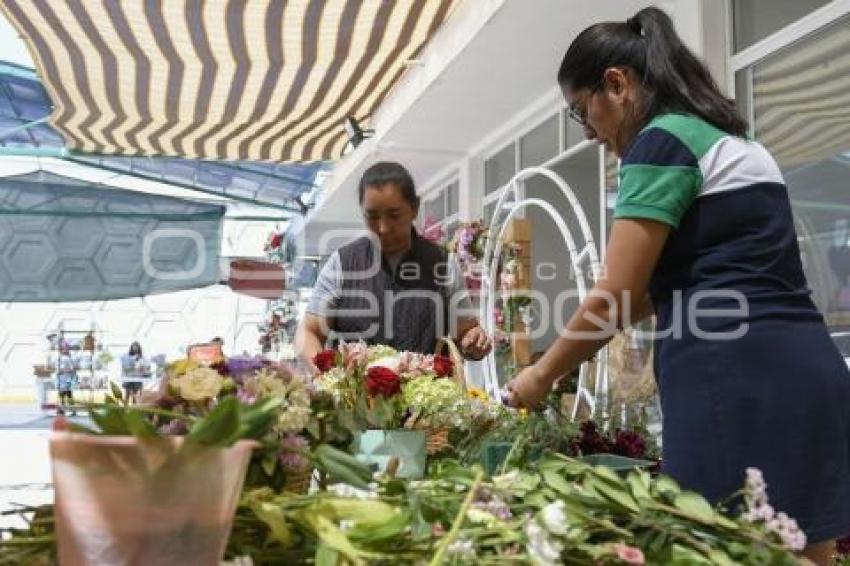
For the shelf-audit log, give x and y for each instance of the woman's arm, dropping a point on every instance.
(633, 251)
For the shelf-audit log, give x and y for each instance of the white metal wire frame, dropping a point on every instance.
(582, 250)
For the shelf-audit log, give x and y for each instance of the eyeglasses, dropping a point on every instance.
(578, 110)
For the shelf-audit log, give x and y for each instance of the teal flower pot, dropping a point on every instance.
(377, 447)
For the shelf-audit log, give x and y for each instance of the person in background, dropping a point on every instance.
(66, 379)
(132, 365)
(418, 294)
(88, 343)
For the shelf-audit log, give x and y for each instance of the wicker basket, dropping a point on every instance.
(457, 360)
(299, 482)
(437, 439)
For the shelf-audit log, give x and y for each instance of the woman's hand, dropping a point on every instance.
(528, 389)
(475, 343)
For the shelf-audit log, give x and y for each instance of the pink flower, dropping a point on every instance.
(294, 450)
(629, 554)
(354, 354)
(508, 281)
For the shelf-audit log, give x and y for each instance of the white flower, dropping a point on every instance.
(506, 481)
(541, 547)
(293, 419)
(389, 362)
(480, 516)
(462, 548)
(554, 518)
(345, 490)
(199, 384)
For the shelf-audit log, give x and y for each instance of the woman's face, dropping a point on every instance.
(608, 111)
(389, 216)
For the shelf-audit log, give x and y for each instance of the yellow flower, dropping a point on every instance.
(179, 367)
(476, 393)
(199, 384)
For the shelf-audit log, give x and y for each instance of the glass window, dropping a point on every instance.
(801, 108)
(540, 144)
(452, 199)
(499, 169)
(756, 19)
(432, 208)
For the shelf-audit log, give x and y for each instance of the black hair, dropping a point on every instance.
(389, 173)
(137, 345)
(647, 43)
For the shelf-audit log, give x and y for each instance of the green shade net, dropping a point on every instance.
(62, 239)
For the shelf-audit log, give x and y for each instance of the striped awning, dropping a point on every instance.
(220, 79)
(802, 98)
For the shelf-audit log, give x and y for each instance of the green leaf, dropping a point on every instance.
(110, 420)
(617, 495)
(695, 505)
(257, 419)
(269, 463)
(341, 466)
(684, 556)
(554, 480)
(666, 486)
(638, 486)
(117, 394)
(139, 425)
(720, 558)
(326, 556)
(220, 427)
(273, 517)
(333, 537)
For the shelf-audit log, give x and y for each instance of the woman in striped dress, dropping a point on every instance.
(704, 236)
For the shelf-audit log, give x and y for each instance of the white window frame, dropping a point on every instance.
(441, 188)
(790, 34)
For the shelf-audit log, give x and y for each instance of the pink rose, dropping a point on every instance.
(629, 554)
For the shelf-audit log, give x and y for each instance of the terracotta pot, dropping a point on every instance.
(125, 501)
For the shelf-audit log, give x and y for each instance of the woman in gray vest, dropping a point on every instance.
(390, 287)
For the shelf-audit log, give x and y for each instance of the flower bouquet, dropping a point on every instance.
(387, 396)
(302, 437)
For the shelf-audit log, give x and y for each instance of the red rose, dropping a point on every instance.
(443, 366)
(276, 241)
(382, 382)
(325, 360)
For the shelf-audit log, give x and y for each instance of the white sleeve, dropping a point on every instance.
(327, 289)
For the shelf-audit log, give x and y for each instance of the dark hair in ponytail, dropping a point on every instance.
(647, 43)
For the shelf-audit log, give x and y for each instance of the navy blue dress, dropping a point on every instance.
(748, 374)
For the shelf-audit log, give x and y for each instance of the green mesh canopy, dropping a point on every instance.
(62, 239)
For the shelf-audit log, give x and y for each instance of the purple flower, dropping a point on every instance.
(238, 366)
(177, 427)
(293, 455)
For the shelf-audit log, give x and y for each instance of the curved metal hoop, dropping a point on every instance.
(578, 256)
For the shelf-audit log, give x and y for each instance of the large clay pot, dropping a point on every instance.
(121, 500)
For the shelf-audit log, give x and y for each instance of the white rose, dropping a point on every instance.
(199, 383)
(389, 362)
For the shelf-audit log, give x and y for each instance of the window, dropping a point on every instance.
(540, 144)
(756, 19)
(800, 100)
(499, 169)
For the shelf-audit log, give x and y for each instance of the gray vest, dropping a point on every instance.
(409, 307)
